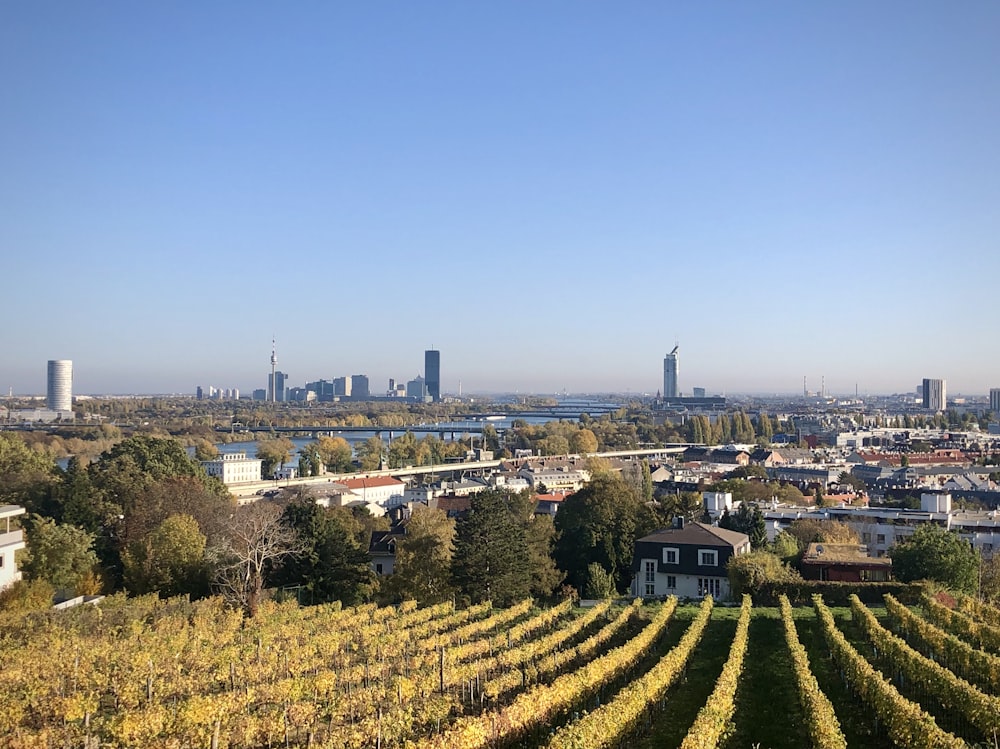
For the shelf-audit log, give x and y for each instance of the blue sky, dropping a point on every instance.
(550, 193)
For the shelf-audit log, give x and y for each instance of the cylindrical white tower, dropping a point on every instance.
(60, 392)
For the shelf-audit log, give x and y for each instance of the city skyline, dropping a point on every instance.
(776, 181)
(62, 372)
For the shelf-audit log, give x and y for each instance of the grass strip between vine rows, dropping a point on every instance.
(908, 725)
(953, 692)
(713, 719)
(611, 722)
(824, 728)
(976, 665)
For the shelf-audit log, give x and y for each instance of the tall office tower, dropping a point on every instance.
(935, 395)
(276, 387)
(995, 401)
(359, 387)
(60, 385)
(432, 373)
(670, 374)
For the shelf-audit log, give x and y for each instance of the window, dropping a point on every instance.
(671, 555)
(866, 538)
(650, 589)
(708, 557)
(378, 568)
(671, 581)
(709, 586)
(880, 538)
(650, 571)
(987, 548)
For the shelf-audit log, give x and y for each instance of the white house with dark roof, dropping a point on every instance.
(687, 560)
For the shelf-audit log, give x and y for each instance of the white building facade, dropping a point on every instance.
(234, 468)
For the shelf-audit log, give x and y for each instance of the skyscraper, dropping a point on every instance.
(935, 395)
(432, 373)
(670, 374)
(995, 401)
(60, 385)
(276, 387)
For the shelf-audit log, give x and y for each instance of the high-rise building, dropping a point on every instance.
(670, 374)
(417, 388)
(995, 401)
(935, 395)
(432, 373)
(276, 386)
(359, 387)
(60, 385)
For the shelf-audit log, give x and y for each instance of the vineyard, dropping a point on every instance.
(143, 672)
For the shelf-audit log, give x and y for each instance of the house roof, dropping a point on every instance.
(698, 533)
(371, 482)
(842, 554)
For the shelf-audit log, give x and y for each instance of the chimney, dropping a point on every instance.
(679, 522)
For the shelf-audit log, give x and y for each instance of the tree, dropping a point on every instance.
(26, 476)
(600, 523)
(403, 451)
(422, 569)
(765, 430)
(490, 560)
(807, 531)
(336, 454)
(169, 561)
(749, 573)
(583, 441)
(847, 478)
(647, 483)
(310, 462)
(371, 453)
(540, 536)
(61, 555)
(554, 444)
(989, 579)
(274, 453)
(933, 553)
(600, 583)
(256, 540)
(785, 547)
(747, 519)
(328, 562)
(205, 450)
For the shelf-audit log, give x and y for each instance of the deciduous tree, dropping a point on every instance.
(600, 523)
(328, 562)
(170, 560)
(336, 454)
(933, 553)
(61, 555)
(256, 540)
(422, 568)
(370, 453)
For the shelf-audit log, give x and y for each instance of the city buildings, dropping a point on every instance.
(995, 401)
(670, 374)
(432, 374)
(60, 385)
(935, 395)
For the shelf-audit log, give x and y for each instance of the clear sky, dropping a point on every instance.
(551, 193)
